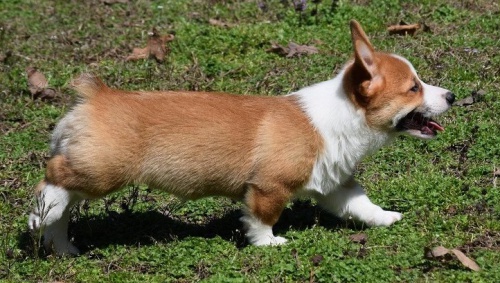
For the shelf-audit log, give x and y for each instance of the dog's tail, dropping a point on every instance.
(87, 85)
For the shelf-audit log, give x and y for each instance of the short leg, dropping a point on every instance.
(264, 208)
(350, 201)
(51, 215)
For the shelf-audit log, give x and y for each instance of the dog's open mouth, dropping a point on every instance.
(417, 125)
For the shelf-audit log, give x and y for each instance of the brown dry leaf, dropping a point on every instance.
(466, 261)
(38, 85)
(293, 49)
(138, 53)
(36, 80)
(440, 251)
(297, 50)
(47, 93)
(359, 238)
(437, 252)
(476, 96)
(496, 173)
(465, 101)
(219, 23)
(278, 49)
(404, 29)
(156, 47)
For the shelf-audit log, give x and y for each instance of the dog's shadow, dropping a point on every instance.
(150, 227)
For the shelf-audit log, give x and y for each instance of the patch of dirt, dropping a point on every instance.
(490, 240)
(11, 183)
(481, 6)
(479, 208)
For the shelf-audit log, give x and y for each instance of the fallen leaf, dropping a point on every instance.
(278, 49)
(296, 49)
(156, 47)
(293, 49)
(466, 261)
(359, 238)
(138, 53)
(403, 29)
(36, 80)
(47, 93)
(219, 23)
(441, 252)
(476, 96)
(437, 252)
(38, 85)
(469, 100)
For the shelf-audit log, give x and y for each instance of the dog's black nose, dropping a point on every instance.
(450, 97)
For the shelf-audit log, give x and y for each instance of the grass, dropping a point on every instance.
(446, 187)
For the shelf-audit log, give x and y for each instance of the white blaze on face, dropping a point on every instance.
(434, 100)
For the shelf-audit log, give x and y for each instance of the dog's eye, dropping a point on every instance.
(415, 88)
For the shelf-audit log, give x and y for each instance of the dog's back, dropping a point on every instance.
(190, 143)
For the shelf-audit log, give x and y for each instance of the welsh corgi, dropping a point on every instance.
(264, 151)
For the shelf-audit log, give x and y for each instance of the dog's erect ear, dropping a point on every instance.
(364, 59)
(363, 49)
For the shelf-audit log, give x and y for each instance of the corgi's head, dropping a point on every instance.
(389, 91)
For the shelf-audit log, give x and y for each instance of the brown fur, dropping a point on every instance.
(191, 144)
(262, 150)
(379, 84)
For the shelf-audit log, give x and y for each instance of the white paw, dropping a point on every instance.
(385, 218)
(260, 234)
(269, 241)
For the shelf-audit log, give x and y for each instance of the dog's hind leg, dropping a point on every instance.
(264, 207)
(51, 215)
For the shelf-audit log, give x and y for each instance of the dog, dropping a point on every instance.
(264, 151)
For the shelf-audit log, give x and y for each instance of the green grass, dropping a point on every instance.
(445, 187)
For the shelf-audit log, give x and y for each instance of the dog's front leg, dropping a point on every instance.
(351, 202)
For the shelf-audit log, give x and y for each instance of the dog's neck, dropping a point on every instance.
(346, 136)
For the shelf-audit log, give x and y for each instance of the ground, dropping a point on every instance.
(447, 188)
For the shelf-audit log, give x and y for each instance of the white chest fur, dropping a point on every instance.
(347, 137)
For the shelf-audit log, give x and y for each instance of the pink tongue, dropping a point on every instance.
(435, 126)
